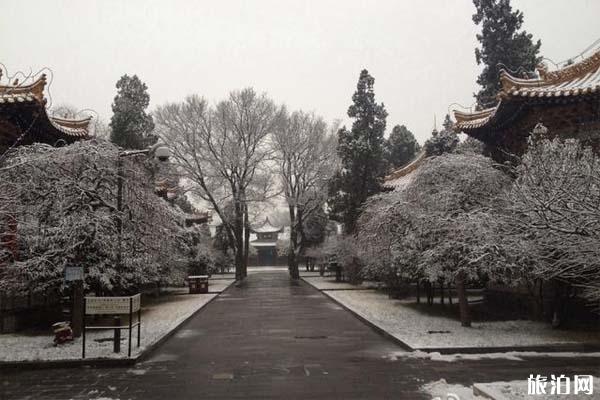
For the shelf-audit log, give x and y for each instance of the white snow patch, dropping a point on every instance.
(511, 355)
(137, 371)
(329, 283)
(158, 319)
(412, 327)
(517, 390)
(443, 390)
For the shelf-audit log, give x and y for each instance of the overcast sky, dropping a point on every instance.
(306, 54)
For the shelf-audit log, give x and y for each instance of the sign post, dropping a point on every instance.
(76, 275)
(115, 306)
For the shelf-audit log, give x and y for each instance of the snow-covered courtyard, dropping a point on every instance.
(159, 317)
(423, 331)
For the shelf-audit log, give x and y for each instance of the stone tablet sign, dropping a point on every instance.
(73, 274)
(112, 305)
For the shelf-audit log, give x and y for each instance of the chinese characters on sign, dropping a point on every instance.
(561, 384)
(111, 305)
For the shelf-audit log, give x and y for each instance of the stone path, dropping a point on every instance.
(271, 340)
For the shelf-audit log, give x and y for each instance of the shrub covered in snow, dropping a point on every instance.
(65, 203)
(436, 229)
(552, 223)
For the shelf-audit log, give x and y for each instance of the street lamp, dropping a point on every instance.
(158, 151)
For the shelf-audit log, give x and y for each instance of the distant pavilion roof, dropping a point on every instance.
(581, 79)
(266, 227)
(23, 109)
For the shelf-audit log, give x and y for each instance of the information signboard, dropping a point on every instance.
(112, 305)
(73, 273)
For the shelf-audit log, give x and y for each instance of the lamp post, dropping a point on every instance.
(158, 151)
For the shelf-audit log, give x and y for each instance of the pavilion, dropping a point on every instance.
(266, 242)
(566, 101)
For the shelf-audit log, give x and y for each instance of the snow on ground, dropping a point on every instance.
(443, 390)
(329, 283)
(421, 331)
(517, 390)
(219, 284)
(158, 319)
(511, 355)
(268, 269)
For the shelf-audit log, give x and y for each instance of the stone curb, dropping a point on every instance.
(105, 362)
(370, 324)
(556, 348)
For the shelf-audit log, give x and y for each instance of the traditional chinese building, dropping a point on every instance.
(566, 101)
(24, 119)
(266, 242)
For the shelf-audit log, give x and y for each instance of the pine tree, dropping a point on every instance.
(361, 153)
(401, 146)
(130, 126)
(448, 124)
(502, 46)
(442, 142)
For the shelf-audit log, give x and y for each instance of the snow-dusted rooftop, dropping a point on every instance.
(401, 177)
(266, 227)
(579, 79)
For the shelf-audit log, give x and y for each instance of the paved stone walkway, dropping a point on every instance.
(270, 340)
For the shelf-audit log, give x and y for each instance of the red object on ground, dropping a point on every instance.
(62, 332)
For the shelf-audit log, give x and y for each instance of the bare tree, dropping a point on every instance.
(306, 155)
(221, 152)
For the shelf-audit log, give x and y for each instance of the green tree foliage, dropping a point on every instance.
(442, 142)
(448, 124)
(130, 126)
(361, 152)
(314, 228)
(401, 146)
(502, 46)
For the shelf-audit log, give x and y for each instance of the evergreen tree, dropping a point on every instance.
(502, 46)
(448, 124)
(442, 142)
(130, 126)
(401, 146)
(361, 153)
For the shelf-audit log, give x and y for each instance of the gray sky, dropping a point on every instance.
(306, 54)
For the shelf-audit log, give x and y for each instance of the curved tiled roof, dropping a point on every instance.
(33, 94)
(579, 79)
(401, 177)
(266, 227)
(72, 127)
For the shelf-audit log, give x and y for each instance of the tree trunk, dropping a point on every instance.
(442, 292)
(239, 239)
(246, 239)
(292, 260)
(463, 301)
(418, 292)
